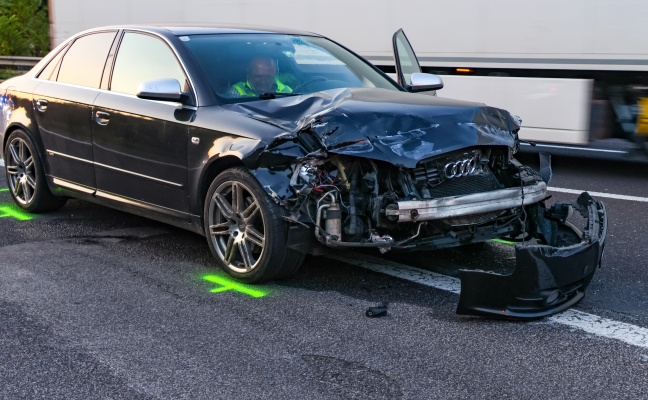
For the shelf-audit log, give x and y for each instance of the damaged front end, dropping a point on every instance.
(350, 202)
(421, 178)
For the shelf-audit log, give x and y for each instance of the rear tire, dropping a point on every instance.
(246, 230)
(26, 176)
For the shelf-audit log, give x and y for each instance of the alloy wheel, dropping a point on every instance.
(20, 171)
(236, 226)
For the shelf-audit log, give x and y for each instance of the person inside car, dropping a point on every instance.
(261, 78)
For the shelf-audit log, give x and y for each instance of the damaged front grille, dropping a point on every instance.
(427, 173)
(457, 165)
(484, 182)
(458, 174)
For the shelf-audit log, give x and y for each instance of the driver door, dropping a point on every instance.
(408, 69)
(406, 61)
(140, 146)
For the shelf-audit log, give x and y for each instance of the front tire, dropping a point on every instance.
(246, 230)
(26, 176)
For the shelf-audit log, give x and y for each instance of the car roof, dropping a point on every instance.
(204, 29)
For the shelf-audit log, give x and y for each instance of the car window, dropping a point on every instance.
(301, 64)
(50, 72)
(406, 57)
(143, 58)
(83, 63)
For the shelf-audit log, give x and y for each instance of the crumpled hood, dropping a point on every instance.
(398, 127)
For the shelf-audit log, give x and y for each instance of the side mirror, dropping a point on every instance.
(424, 82)
(161, 89)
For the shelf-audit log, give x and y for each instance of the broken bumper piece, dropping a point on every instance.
(547, 278)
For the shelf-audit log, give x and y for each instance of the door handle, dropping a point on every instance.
(41, 105)
(102, 117)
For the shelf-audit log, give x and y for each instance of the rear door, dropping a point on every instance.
(63, 103)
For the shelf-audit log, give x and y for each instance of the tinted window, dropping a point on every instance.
(51, 71)
(408, 62)
(143, 58)
(83, 64)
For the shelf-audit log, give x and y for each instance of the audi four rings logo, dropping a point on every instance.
(465, 167)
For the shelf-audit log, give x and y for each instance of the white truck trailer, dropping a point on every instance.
(576, 72)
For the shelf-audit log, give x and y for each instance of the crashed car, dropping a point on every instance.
(157, 121)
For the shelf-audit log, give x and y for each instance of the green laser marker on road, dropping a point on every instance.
(502, 241)
(227, 284)
(11, 211)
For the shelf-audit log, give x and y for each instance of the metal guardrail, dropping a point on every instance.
(15, 61)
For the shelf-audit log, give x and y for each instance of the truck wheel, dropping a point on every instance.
(245, 229)
(26, 177)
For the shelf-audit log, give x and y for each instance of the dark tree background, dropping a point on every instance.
(24, 28)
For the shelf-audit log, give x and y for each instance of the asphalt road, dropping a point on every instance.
(99, 304)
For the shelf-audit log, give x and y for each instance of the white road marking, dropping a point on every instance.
(1, 162)
(600, 194)
(627, 333)
(631, 334)
(413, 274)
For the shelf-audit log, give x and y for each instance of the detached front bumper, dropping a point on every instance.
(547, 278)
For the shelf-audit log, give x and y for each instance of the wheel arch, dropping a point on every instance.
(5, 138)
(22, 117)
(210, 172)
(34, 138)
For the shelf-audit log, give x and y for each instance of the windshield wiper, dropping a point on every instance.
(274, 95)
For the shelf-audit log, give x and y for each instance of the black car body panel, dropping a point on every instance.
(396, 127)
(359, 163)
(547, 279)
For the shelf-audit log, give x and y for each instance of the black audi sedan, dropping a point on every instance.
(275, 144)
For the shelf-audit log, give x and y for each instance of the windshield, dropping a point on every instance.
(243, 67)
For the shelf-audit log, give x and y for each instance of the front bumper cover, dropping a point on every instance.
(547, 278)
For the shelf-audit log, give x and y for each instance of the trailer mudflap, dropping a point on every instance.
(547, 279)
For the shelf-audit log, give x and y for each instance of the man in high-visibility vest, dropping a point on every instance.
(261, 78)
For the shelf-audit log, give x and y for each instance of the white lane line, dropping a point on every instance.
(413, 274)
(590, 323)
(600, 194)
(1, 162)
(631, 334)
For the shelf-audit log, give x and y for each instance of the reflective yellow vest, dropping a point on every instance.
(245, 89)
